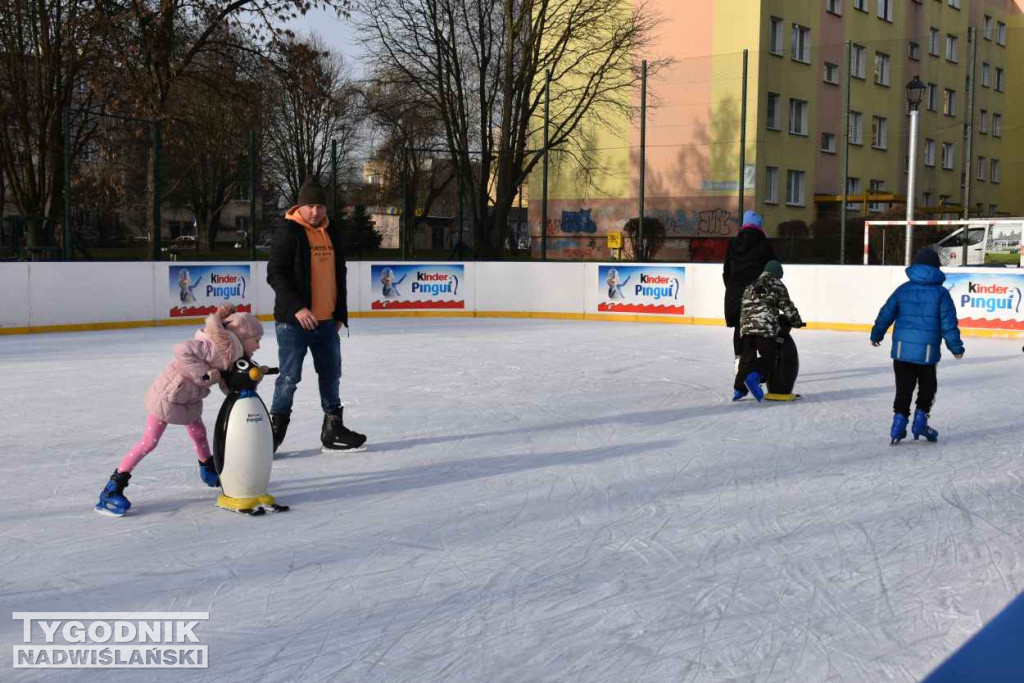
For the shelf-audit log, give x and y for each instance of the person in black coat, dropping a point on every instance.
(749, 252)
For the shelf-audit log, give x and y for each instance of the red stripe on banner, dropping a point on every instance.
(196, 311)
(416, 305)
(640, 308)
(992, 324)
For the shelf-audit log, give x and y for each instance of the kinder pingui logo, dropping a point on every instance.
(417, 287)
(224, 286)
(197, 290)
(641, 289)
(988, 301)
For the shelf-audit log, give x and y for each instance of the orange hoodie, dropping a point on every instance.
(323, 278)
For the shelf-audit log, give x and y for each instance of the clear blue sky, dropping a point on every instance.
(338, 33)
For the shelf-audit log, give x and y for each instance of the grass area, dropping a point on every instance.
(1002, 259)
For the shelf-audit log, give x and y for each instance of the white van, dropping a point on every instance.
(988, 244)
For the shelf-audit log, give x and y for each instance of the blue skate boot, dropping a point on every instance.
(921, 428)
(753, 384)
(739, 395)
(899, 428)
(208, 474)
(112, 500)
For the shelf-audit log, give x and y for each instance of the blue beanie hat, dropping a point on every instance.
(752, 219)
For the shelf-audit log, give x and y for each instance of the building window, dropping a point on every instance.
(775, 45)
(862, 5)
(771, 185)
(1001, 33)
(831, 73)
(986, 31)
(242, 191)
(834, 6)
(986, 75)
(996, 171)
(954, 4)
(853, 189)
(929, 152)
(927, 199)
(914, 51)
(982, 164)
(1000, 80)
(879, 132)
(885, 10)
(774, 115)
(947, 155)
(858, 61)
(242, 224)
(949, 102)
(933, 97)
(997, 125)
(856, 128)
(800, 44)
(798, 117)
(876, 187)
(795, 181)
(828, 143)
(951, 48)
(882, 68)
(992, 209)
(983, 122)
(934, 42)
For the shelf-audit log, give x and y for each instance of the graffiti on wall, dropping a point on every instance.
(578, 221)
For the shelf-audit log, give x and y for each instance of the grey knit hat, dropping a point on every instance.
(311, 192)
(774, 267)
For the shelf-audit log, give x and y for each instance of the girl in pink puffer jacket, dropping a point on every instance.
(176, 396)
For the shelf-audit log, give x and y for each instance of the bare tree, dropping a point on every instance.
(310, 103)
(481, 65)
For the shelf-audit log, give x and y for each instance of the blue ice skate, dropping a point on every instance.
(921, 428)
(753, 383)
(899, 428)
(208, 473)
(112, 500)
(738, 395)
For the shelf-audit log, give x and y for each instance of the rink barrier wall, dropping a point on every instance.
(67, 297)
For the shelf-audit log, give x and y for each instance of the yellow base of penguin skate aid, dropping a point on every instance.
(781, 397)
(243, 504)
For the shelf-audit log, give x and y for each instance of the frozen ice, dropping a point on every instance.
(541, 501)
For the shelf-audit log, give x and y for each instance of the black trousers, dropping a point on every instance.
(737, 342)
(757, 353)
(909, 376)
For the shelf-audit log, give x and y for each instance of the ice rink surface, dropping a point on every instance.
(541, 501)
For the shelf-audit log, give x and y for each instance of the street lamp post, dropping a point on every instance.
(915, 92)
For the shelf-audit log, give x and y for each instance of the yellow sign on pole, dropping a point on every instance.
(615, 240)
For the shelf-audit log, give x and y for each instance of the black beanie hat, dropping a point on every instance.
(311, 192)
(774, 267)
(927, 257)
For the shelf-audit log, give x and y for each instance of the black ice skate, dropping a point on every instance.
(336, 437)
(279, 426)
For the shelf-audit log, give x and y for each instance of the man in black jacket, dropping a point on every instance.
(307, 271)
(749, 252)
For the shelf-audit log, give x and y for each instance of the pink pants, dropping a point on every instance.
(154, 430)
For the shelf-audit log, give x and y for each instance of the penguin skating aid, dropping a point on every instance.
(243, 446)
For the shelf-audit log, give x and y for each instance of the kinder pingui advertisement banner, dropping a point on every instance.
(656, 290)
(398, 287)
(988, 301)
(198, 290)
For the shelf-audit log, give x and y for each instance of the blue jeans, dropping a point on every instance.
(292, 343)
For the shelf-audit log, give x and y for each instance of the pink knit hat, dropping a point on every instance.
(247, 328)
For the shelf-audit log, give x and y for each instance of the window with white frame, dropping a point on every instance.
(800, 44)
(828, 143)
(982, 168)
(951, 48)
(986, 75)
(983, 122)
(773, 109)
(934, 41)
(879, 132)
(831, 73)
(996, 174)
(853, 189)
(932, 97)
(1000, 80)
(883, 68)
(987, 25)
(929, 152)
(856, 134)
(947, 155)
(858, 61)
(771, 185)
(1001, 33)
(954, 4)
(914, 51)
(775, 37)
(799, 115)
(949, 102)
(997, 125)
(795, 184)
(876, 187)
(862, 5)
(885, 10)
(834, 6)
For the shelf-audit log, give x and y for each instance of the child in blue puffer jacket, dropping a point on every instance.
(925, 315)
